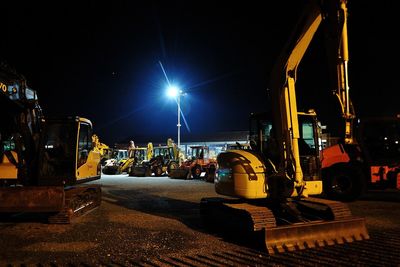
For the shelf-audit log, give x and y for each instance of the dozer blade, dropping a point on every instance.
(179, 174)
(315, 234)
(32, 199)
(324, 222)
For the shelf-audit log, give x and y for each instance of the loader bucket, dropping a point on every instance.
(315, 234)
(179, 174)
(140, 171)
(32, 199)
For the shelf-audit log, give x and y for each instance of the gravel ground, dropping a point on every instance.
(151, 219)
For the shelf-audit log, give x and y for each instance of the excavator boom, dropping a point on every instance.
(332, 15)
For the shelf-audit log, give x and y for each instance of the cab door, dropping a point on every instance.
(88, 160)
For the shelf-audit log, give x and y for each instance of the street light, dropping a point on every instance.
(175, 92)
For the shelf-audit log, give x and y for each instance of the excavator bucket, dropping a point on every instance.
(140, 171)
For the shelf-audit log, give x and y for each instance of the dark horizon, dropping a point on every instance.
(101, 61)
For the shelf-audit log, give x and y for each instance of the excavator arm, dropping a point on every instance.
(335, 15)
(332, 15)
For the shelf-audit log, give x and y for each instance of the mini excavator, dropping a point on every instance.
(274, 188)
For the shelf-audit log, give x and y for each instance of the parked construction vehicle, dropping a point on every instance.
(104, 150)
(379, 140)
(113, 164)
(142, 166)
(140, 155)
(163, 160)
(198, 165)
(125, 160)
(270, 187)
(369, 160)
(43, 159)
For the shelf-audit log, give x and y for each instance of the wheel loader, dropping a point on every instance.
(368, 161)
(275, 188)
(44, 161)
(198, 166)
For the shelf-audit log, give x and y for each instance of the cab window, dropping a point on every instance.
(84, 144)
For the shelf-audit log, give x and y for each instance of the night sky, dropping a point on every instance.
(101, 60)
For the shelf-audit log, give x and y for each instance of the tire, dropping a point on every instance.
(211, 174)
(158, 171)
(344, 182)
(110, 170)
(172, 166)
(196, 172)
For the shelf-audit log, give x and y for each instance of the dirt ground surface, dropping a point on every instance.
(155, 221)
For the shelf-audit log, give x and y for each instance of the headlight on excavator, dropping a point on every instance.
(224, 174)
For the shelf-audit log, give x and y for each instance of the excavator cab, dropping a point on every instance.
(262, 161)
(263, 141)
(68, 154)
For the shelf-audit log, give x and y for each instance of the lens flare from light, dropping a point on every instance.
(172, 91)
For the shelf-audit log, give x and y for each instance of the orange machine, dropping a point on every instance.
(198, 165)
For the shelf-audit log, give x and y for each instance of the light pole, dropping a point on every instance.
(174, 91)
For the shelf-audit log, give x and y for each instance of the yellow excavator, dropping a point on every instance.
(274, 188)
(44, 161)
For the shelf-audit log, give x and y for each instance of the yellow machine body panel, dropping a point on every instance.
(90, 167)
(87, 156)
(242, 174)
(8, 170)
